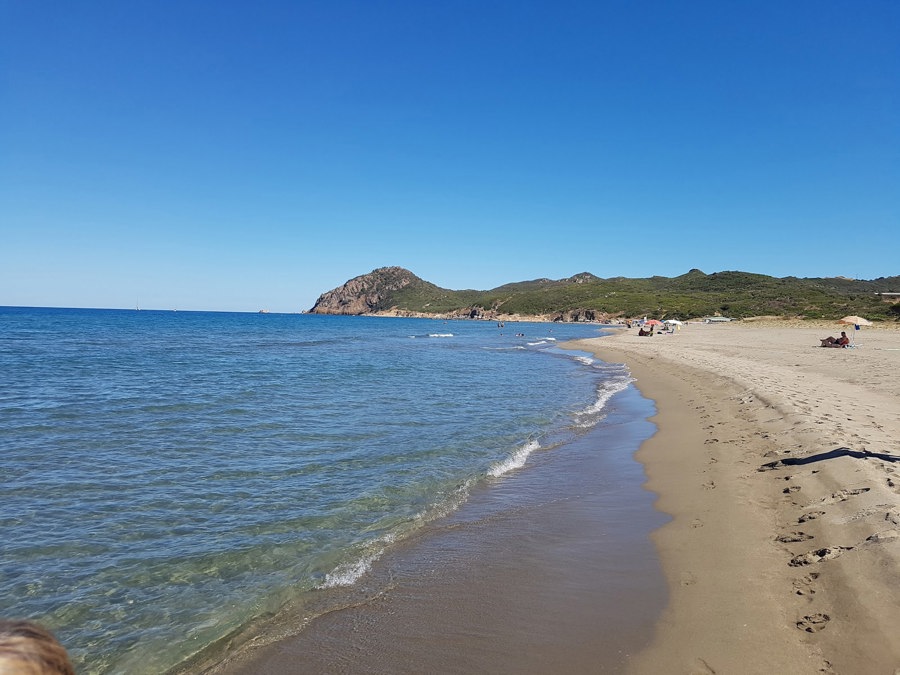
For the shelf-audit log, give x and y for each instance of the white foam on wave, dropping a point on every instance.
(515, 461)
(609, 388)
(349, 573)
(586, 360)
(537, 344)
(450, 502)
(441, 335)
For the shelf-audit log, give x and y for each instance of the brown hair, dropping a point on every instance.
(29, 649)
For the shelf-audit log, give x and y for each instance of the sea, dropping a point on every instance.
(168, 479)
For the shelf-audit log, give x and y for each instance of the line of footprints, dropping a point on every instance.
(804, 586)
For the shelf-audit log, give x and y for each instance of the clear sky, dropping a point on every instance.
(229, 155)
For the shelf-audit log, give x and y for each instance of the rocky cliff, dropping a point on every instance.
(367, 294)
(389, 291)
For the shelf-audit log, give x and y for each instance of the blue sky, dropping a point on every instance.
(243, 155)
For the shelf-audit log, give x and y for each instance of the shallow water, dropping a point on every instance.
(169, 477)
(547, 570)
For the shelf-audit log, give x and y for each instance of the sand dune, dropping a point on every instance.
(780, 463)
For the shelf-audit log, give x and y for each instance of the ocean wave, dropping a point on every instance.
(538, 344)
(349, 573)
(451, 502)
(515, 461)
(605, 391)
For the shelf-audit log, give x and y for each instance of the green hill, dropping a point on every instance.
(586, 296)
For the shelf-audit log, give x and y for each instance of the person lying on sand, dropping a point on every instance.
(842, 341)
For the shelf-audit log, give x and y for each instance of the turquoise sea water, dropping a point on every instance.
(168, 477)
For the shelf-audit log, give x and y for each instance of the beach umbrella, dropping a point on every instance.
(674, 322)
(856, 321)
(653, 322)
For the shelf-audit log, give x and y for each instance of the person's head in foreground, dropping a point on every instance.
(28, 649)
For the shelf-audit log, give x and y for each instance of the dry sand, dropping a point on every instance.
(780, 464)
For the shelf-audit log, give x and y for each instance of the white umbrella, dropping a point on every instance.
(856, 321)
(674, 322)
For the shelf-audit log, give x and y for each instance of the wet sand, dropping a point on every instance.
(780, 464)
(549, 569)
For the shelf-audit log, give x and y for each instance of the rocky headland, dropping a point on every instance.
(584, 297)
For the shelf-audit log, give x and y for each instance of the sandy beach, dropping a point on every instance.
(779, 462)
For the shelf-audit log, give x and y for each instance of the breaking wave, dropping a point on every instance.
(515, 461)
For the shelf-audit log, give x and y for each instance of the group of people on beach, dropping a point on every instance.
(649, 331)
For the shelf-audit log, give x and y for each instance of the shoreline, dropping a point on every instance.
(776, 461)
(549, 568)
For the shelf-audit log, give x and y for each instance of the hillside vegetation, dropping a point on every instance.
(586, 297)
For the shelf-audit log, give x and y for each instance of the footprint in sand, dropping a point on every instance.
(791, 537)
(819, 555)
(812, 515)
(843, 495)
(866, 512)
(881, 537)
(803, 585)
(813, 623)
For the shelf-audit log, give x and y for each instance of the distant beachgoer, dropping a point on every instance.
(641, 331)
(28, 649)
(842, 341)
